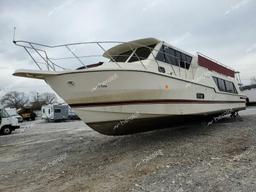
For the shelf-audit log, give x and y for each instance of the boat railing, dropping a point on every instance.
(45, 58)
(39, 53)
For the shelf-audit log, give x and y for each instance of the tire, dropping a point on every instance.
(33, 117)
(6, 130)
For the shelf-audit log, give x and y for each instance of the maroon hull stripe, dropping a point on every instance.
(161, 101)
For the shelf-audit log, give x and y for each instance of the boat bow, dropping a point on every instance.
(34, 74)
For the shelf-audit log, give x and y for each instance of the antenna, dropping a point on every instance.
(14, 33)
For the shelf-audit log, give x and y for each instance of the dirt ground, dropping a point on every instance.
(71, 157)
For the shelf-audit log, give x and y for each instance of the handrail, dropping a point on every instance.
(51, 64)
(49, 61)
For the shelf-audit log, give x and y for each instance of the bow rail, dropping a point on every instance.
(42, 54)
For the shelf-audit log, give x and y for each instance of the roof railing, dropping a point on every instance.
(37, 50)
(40, 51)
(215, 61)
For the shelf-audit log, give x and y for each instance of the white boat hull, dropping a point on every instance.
(113, 97)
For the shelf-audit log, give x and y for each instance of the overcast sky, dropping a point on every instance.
(222, 29)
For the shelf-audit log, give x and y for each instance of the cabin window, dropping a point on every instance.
(4, 114)
(221, 84)
(188, 59)
(178, 57)
(170, 56)
(224, 85)
(161, 55)
(141, 53)
(230, 87)
(123, 56)
(216, 81)
(174, 57)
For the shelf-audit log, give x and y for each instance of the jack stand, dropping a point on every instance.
(236, 115)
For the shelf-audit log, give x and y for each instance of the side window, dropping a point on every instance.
(161, 56)
(225, 86)
(49, 111)
(174, 57)
(183, 60)
(229, 87)
(178, 58)
(221, 84)
(168, 55)
(189, 59)
(4, 114)
(57, 110)
(216, 81)
(234, 87)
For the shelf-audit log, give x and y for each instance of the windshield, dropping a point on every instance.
(11, 112)
(140, 53)
(3, 113)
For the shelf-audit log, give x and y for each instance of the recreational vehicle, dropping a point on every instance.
(55, 112)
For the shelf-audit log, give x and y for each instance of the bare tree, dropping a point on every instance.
(253, 80)
(49, 98)
(38, 100)
(15, 99)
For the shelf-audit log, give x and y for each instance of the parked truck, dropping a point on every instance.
(27, 114)
(7, 123)
(13, 112)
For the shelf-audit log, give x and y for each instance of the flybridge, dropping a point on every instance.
(49, 57)
(215, 66)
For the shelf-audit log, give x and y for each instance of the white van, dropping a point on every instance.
(7, 122)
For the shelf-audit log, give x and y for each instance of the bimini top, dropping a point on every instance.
(119, 49)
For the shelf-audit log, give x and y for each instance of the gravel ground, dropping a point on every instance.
(71, 157)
